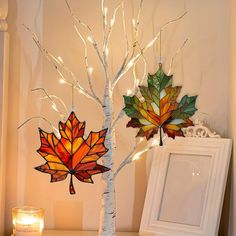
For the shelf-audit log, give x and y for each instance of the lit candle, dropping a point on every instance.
(27, 221)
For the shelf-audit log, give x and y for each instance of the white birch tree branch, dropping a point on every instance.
(134, 91)
(54, 106)
(136, 24)
(59, 100)
(133, 60)
(120, 115)
(125, 31)
(58, 64)
(127, 160)
(91, 37)
(42, 118)
(132, 156)
(88, 68)
(176, 53)
(110, 28)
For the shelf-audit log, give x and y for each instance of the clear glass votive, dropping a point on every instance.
(27, 221)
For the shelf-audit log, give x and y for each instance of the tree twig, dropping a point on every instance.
(176, 53)
(39, 117)
(57, 63)
(133, 60)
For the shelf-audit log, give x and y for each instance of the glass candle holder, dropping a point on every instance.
(27, 221)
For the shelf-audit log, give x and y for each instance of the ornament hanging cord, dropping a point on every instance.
(72, 97)
(160, 49)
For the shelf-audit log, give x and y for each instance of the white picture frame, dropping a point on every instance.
(186, 187)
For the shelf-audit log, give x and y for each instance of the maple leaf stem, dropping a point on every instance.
(161, 141)
(72, 189)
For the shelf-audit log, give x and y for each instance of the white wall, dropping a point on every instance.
(201, 68)
(232, 114)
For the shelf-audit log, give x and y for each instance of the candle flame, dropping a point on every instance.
(27, 219)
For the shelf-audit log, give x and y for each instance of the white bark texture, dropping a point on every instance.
(108, 209)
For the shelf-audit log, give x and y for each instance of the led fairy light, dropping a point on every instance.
(89, 38)
(54, 107)
(141, 139)
(60, 59)
(55, 97)
(90, 70)
(129, 92)
(112, 22)
(105, 15)
(62, 81)
(154, 143)
(134, 23)
(50, 97)
(106, 51)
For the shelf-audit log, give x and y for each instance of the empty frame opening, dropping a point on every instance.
(185, 189)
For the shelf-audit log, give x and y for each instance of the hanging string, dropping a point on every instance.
(72, 97)
(185, 6)
(160, 49)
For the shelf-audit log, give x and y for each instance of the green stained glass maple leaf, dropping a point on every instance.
(158, 108)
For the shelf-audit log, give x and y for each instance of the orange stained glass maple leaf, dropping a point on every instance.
(72, 154)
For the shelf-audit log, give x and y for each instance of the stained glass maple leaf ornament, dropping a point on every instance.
(158, 108)
(72, 154)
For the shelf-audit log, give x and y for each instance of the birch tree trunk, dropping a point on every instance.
(108, 209)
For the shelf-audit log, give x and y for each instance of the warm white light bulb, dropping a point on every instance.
(134, 23)
(60, 59)
(90, 70)
(106, 51)
(89, 38)
(54, 107)
(112, 21)
(154, 142)
(129, 91)
(62, 81)
(105, 11)
(130, 64)
(141, 139)
(136, 157)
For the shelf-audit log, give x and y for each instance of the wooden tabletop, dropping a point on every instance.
(81, 233)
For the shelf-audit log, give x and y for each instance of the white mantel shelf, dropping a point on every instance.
(81, 233)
